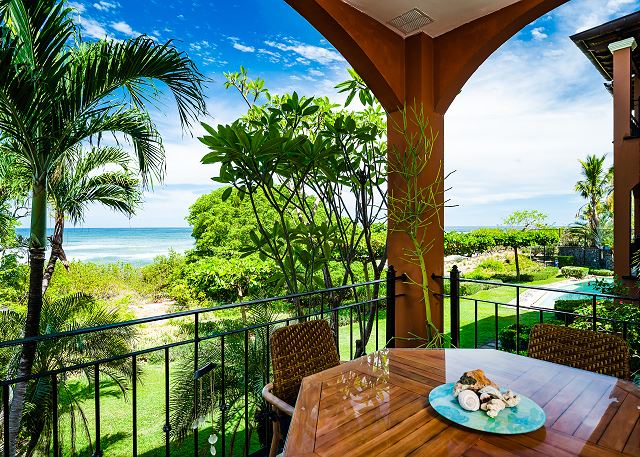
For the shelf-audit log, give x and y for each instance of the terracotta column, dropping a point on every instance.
(625, 155)
(419, 93)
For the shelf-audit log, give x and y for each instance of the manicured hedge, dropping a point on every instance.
(569, 306)
(469, 288)
(601, 272)
(565, 261)
(574, 272)
(483, 240)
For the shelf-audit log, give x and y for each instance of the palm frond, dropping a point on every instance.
(102, 68)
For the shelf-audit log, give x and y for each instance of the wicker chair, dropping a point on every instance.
(296, 351)
(602, 353)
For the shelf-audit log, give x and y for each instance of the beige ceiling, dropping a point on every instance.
(446, 14)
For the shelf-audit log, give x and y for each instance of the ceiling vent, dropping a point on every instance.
(410, 21)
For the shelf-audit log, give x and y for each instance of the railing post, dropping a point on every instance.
(391, 307)
(455, 305)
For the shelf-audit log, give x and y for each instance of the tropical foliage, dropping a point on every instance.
(485, 240)
(99, 175)
(57, 92)
(304, 156)
(67, 313)
(596, 187)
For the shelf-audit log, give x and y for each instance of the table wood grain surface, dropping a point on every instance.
(378, 405)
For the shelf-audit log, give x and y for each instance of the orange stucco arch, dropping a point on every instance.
(424, 70)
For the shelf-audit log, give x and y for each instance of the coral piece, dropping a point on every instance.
(493, 407)
(510, 399)
(469, 400)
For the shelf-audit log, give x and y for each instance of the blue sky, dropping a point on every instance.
(513, 136)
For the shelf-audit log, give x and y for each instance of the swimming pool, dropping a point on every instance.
(548, 300)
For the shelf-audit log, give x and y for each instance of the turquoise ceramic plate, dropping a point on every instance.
(524, 418)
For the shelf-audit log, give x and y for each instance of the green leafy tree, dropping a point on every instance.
(595, 187)
(100, 175)
(221, 227)
(56, 93)
(69, 312)
(306, 156)
(522, 222)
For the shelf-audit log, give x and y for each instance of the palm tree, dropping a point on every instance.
(69, 312)
(595, 188)
(56, 93)
(79, 180)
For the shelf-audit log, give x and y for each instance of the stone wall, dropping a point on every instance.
(588, 257)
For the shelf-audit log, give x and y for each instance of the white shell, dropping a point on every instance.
(212, 450)
(490, 390)
(213, 439)
(469, 400)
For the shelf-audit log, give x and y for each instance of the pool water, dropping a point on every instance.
(548, 300)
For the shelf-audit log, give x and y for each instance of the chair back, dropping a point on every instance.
(300, 350)
(602, 353)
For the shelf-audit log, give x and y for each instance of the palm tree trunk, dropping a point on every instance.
(57, 252)
(34, 307)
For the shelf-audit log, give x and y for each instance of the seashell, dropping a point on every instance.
(485, 398)
(469, 400)
(510, 399)
(213, 439)
(212, 450)
(492, 391)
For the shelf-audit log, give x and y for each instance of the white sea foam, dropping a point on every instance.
(137, 246)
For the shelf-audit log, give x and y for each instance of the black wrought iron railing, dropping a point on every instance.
(239, 350)
(478, 319)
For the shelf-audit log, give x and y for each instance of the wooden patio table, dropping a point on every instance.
(378, 405)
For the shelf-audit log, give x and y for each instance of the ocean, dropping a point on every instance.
(137, 246)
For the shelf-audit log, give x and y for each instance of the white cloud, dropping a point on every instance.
(239, 46)
(535, 122)
(314, 72)
(538, 34)
(93, 28)
(79, 7)
(106, 6)
(243, 48)
(124, 28)
(613, 6)
(315, 53)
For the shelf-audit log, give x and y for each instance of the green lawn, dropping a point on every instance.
(116, 422)
(116, 412)
(486, 326)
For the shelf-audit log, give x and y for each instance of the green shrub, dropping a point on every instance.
(468, 288)
(545, 273)
(601, 272)
(574, 272)
(569, 306)
(565, 261)
(507, 336)
(504, 270)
